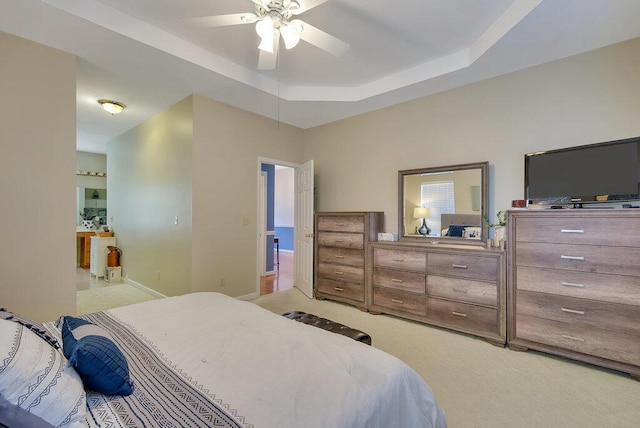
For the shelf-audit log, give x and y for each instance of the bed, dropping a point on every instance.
(205, 359)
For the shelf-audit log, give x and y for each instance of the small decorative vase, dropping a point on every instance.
(500, 234)
(87, 224)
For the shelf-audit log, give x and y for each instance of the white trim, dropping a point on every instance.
(259, 246)
(144, 288)
(250, 296)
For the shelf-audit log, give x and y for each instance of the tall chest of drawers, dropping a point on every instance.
(341, 254)
(574, 285)
(457, 287)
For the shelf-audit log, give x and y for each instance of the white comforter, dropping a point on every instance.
(276, 372)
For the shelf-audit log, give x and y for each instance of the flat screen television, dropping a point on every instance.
(594, 173)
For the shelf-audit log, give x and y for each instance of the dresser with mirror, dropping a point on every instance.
(440, 271)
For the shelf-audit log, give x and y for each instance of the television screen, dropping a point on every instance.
(598, 172)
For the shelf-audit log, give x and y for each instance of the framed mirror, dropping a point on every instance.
(444, 204)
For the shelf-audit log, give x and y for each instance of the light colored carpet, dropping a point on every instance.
(107, 297)
(481, 385)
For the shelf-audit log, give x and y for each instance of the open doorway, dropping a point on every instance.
(277, 225)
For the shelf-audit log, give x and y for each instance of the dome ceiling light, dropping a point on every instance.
(113, 107)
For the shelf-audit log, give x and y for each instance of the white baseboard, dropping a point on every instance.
(144, 288)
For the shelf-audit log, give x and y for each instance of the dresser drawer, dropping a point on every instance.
(401, 280)
(400, 259)
(469, 317)
(341, 240)
(406, 302)
(476, 292)
(579, 230)
(479, 268)
(339, 223)
(584, 258)
(584, 312)
(342, 289)
(343, 256)
(585, 285)
(580, 338)
(341, 272)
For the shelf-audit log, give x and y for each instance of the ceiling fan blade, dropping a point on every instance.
(267, 60)
(320, 39)
(305, 5)
(223, 20)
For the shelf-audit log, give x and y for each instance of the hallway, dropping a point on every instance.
(283, 278)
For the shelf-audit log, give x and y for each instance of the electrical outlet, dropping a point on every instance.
(158, 274)
(245, 221)
(221, 282)
(175, 220)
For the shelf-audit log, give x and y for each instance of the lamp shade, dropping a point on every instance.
(420, 212)
(290, 35)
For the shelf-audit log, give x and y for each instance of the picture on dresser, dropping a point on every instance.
(444, 203)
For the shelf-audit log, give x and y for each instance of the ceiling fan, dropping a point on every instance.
(273, 22)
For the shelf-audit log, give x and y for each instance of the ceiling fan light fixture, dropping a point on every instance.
(113, 107)
(264, 27)
(290, 35)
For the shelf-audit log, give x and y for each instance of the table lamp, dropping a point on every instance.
(422, 213)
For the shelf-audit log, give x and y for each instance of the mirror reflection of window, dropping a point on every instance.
(439, 197)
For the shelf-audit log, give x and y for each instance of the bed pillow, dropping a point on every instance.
(100, 363)
(455, 230)
(472, 232)
(35, 377)
(32, 325)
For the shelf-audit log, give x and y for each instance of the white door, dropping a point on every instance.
(303, 233)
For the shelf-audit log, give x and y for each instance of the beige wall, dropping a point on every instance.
(37, 179)
(198, 160)
(149, 179)
(227, 144)
(584, 99)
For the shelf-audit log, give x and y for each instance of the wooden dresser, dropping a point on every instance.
(574, 285)
(457, 287)
(341, 246)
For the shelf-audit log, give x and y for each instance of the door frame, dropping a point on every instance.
(261, 237)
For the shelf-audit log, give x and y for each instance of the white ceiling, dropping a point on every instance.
(148, 55)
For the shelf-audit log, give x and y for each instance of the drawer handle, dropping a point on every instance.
(572, 311)
(579, 339)
(459, 266)
(571, 231)
(397, 301)
(339, 257)
(459, 314)
(339, 240)
(339, 273)
(572, 257)
(572, 284)
(338, 289)
(340, 224)
(399, 281)
(399, 260)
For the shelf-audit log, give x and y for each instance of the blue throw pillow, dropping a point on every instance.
(455, 230)
(100, 363)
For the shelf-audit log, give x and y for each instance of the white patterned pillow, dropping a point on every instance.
(35, 377)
